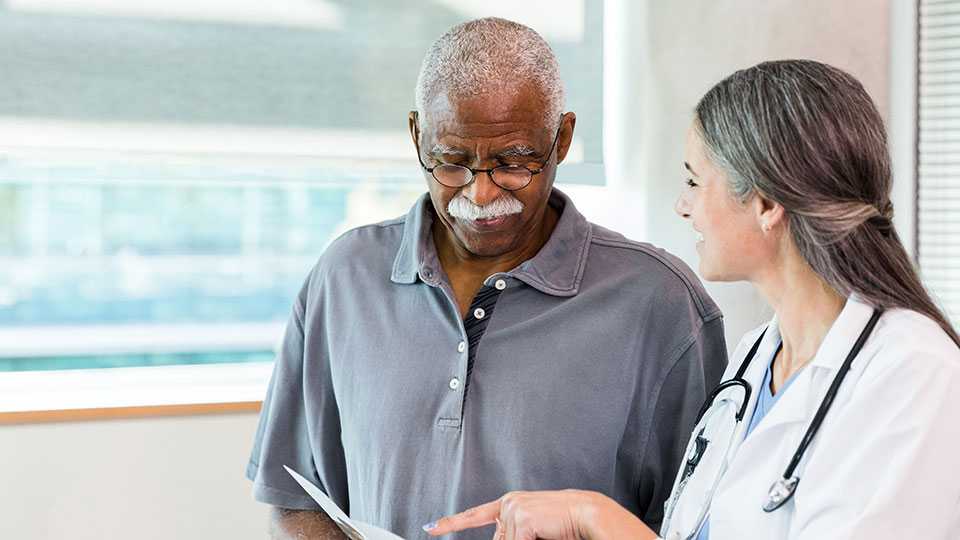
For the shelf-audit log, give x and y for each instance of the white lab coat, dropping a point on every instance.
(886, 461)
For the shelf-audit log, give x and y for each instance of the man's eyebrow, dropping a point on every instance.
(687, 165)
(444, 149)
(519, 150)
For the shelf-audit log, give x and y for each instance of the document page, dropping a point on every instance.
(355, 530)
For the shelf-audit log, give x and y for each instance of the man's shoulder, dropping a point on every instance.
(641, 252)
(652, 266)
(366, 238)
(361, 249)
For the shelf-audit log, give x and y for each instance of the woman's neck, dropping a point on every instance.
(806, 308)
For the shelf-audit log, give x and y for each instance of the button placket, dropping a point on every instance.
(455, 386)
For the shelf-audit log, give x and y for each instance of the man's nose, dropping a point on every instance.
(482, 191)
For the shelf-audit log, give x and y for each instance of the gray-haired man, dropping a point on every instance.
(491, 340)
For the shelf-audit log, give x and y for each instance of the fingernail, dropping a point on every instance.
(430, 526)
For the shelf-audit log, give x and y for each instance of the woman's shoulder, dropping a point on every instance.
(911, 342)
(908, 330)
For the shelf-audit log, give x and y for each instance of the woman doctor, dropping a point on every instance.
(840, 418)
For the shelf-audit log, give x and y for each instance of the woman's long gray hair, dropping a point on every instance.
(807, 136)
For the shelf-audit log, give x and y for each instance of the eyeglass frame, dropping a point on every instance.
(473, 172)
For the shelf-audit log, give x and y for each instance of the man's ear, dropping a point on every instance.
(567, 122)
(413, 120)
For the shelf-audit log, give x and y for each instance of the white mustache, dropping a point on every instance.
(461, 208)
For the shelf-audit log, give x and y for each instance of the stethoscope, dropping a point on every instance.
(783, 489)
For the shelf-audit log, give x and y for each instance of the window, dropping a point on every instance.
(938, 193)
(170, 171)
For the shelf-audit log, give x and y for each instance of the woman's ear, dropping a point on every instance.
(770, 215)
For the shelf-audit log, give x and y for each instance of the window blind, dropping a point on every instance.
(938, 156)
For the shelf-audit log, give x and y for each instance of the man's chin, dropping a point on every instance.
(492, 244)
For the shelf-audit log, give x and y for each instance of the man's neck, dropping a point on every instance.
(466, 271)
(457, 261)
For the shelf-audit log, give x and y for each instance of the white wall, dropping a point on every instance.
(673, 52)
(159, 478)
(902, 119)
(183, 477)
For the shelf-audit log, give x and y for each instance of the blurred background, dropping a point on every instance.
(170, 172)
(177, 167)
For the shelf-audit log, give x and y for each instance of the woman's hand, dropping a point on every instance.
(549, 515)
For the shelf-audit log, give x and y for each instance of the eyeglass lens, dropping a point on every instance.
(510, 177)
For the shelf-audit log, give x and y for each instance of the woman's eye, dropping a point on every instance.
(691, 183)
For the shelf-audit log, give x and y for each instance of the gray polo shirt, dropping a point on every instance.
(589, 375)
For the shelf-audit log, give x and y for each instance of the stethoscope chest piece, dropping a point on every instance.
(780, 492)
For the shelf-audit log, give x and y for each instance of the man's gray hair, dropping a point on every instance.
(491, 54)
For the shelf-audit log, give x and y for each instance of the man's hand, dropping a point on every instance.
(303, 525)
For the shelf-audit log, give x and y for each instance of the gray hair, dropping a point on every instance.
(807, 136)
(491, 54)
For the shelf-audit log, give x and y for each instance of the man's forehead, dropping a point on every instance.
(514, 149)
(491, 111)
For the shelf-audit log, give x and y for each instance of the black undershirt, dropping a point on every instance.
(486, 299)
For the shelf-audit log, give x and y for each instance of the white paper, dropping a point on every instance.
(355, 530)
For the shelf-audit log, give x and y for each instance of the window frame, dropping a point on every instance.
(91, 394)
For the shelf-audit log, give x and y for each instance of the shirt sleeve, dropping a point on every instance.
(685, 387)
(299, 427)
(889, 461)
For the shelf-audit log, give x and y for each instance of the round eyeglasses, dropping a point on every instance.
(508, 177)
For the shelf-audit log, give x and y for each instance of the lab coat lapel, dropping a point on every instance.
(764, 454)
(799, 404)
(755, 372)
(793, 407)
(843, 334)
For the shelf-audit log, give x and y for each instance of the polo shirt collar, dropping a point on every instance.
(557, 269)
(416, 233)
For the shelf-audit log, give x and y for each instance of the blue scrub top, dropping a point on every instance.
(766, 399)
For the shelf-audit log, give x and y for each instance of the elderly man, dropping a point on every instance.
(492, 339)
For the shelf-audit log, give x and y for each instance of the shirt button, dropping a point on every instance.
(454, 383)
(462, 346)
(428, 273)
(479, 313)
(500, 284)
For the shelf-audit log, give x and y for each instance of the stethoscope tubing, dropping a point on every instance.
(818, 417)
(737, 380)
(814, 426)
